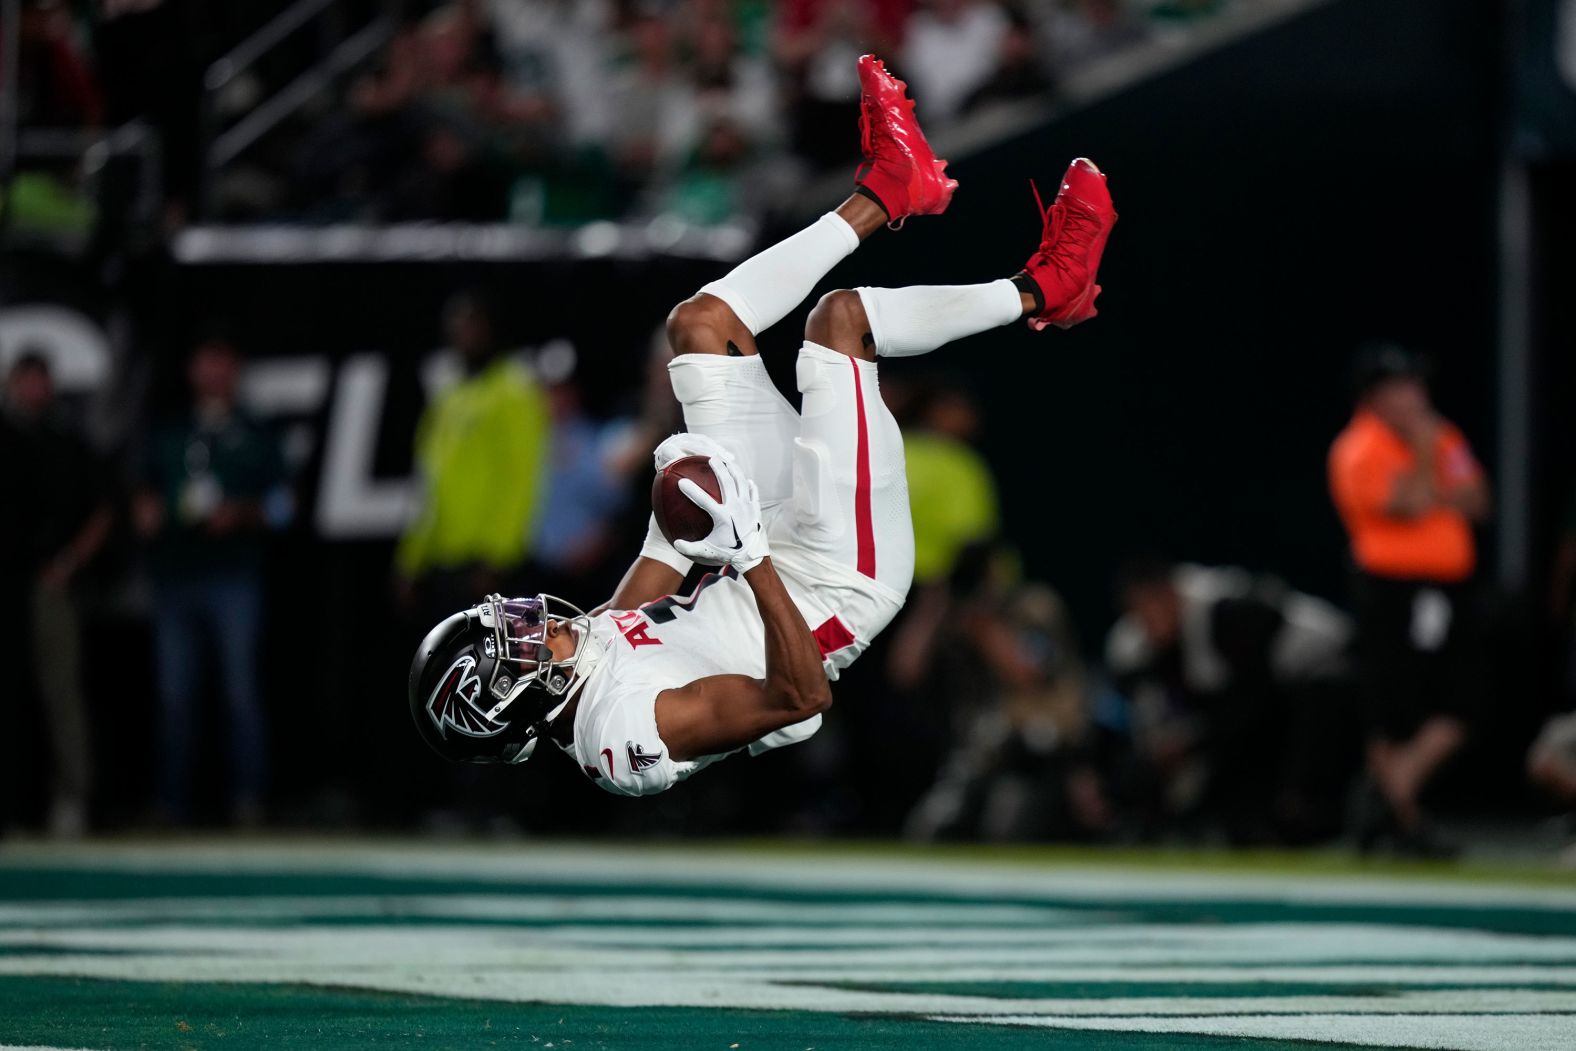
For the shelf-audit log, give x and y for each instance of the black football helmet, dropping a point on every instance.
(484, 684)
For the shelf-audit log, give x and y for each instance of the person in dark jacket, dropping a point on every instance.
(214, 484)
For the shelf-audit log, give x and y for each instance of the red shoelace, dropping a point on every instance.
(1055, 221)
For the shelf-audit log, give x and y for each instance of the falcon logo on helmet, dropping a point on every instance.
(489, 674)
(453, 702)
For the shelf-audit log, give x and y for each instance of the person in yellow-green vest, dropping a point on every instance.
(951, 489)
(481, 455)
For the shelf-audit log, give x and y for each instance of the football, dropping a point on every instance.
(677, 515)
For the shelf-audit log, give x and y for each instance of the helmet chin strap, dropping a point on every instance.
(590, 655)
(586, 663)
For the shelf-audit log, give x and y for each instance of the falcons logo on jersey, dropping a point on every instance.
(639, 758)
(454, 702)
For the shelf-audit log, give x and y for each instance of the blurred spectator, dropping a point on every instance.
(735, 102)
(589, 482)
(951, 51)
(1019, 72)
(564, 111)
(55, 87)
(436, 132)
(1409, 491)
(1551, 761)
(214, 483)
(951, 489)
(710, 189)
(655, 119)
(1022, 765)
(1562, 597)
(455, 180)
(1185, 10)
(62, 514)
(1086, 30)
(445, 87)
(558, 49)
(15, 590)
(481, 456)
(730, 84)
(1223, 671)
(910, 719)
(818, 44)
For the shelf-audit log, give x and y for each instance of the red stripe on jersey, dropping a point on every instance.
(833, 635)
(863, 526)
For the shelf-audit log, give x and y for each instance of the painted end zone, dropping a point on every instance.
(238, 944)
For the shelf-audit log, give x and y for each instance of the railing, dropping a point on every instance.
(94, 150)
(221, 147)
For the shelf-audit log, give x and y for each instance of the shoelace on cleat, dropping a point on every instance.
(1054, 222)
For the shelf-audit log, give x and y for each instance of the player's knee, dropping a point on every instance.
(700, 325)
(838, 323)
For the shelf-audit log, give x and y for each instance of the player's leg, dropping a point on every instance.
(1055, 287)
(869, 323)
(851, 484)
(716, 372)
(850, 487)
(725, 316)
(900, 177)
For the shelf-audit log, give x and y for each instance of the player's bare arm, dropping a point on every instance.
(720, 713)
(644, 581)
(725, 712)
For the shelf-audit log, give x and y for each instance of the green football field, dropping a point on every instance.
(325, 944)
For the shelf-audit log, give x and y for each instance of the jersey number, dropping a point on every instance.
(634, 629)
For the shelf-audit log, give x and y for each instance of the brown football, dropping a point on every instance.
(677, 515)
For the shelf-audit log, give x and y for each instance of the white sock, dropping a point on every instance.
(762, 289)
(920, 318)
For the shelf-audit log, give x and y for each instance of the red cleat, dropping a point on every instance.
(1071, 243)
(900, 169)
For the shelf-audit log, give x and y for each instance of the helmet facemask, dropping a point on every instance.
(524, 661)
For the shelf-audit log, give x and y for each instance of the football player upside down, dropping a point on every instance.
(812, 543)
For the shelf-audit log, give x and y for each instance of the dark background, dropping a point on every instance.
(1326, 182)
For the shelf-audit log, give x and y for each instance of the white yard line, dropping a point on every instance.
(812, 871)
(1457, 1032)
(776, 936)
(549, 907)
(798, 949)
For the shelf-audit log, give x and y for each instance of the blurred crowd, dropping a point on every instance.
(535, 111)
(701, 110)
(1222, 706)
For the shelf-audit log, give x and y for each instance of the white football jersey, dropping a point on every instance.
(714, 630)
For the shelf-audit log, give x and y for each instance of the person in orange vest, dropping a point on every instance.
(1409, 492)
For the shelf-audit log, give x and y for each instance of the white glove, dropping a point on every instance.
(686, 443)
(736, 538)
